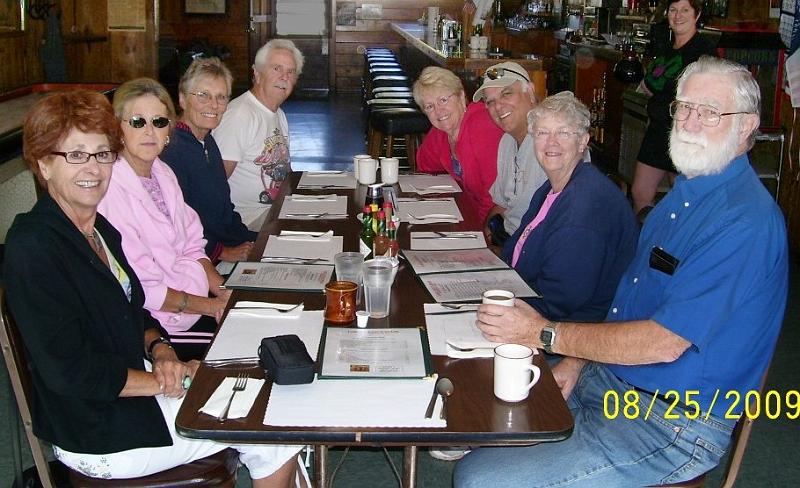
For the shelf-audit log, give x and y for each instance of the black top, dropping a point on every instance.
(201, 174)
(81, 335)
(661, 79)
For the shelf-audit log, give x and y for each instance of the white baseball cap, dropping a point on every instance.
(501, 75)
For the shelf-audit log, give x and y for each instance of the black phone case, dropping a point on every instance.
(286, 360)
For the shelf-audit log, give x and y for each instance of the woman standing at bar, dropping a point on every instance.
(463, 140)
(653, 161)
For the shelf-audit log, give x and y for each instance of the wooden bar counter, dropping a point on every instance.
(468, 63)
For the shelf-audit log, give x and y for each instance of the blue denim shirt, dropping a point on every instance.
(728, 293)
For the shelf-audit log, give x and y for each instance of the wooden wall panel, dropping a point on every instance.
(19, 52)
(350, 41)
(228, 30)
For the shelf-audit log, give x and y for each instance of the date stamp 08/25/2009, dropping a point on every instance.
(731, 405)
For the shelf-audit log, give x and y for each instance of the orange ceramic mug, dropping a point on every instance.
(340, 301)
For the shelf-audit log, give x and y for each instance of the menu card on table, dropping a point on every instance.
(425, 184)
(465, 287)
(422, 211)
(302, 248)
(374, 353)
(432, 241)
(425, 262)
(307, 207)
(327, 180)
(278, 276)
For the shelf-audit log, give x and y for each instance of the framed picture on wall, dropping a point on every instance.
(205, 7)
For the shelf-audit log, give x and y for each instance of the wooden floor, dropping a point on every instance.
(325, 134)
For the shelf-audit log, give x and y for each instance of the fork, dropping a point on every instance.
(241, 383)
(433, 216)
(289, 260)
(280, 310)
(317, 215)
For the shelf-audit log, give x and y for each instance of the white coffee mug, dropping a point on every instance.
(390, 169)
(367, 169)
(356, 158)
(499, 297)
(474, 43)
(513, 366)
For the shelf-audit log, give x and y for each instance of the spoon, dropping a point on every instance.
(458, 306)
(279, 309)
(445, 388)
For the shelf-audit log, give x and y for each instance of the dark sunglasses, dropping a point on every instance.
(159, 121)
(495, 73)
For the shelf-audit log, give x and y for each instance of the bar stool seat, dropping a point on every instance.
(386, 126)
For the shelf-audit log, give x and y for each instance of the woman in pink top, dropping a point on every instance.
(161, 235)
(463, 140)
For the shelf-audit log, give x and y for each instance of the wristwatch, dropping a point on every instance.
(160, 340)
(548, 337)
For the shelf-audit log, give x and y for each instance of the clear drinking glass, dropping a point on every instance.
(378, 275)
(348, 268)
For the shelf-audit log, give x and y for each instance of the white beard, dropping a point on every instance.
(693, 155)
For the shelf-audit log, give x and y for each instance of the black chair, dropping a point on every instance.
(218, 470)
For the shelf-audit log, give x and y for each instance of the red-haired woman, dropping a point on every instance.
(107, 384)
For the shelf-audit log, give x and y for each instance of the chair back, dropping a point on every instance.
(17, 364)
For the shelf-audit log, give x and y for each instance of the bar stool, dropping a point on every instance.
(387, 126)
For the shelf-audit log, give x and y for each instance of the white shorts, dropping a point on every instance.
(261, 459)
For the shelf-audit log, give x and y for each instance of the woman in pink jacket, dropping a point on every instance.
(463, 140)
(161, 235)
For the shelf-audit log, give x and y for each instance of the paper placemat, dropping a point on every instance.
(309, 209)
(327, 180)
(427, 184)
(428, 211)
(441, 241)
(304, 248)
(354, 403)
(446, 325)
(241, 333)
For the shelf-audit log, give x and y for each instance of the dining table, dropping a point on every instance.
(475, 417)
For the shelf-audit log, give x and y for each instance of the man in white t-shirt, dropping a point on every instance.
(253, 136)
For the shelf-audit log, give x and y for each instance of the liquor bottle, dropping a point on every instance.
(381, 242)
(367, 234)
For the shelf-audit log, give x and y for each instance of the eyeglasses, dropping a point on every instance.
(439, 102)
(708, 115)
(81, 157)
(561, 135)
(159, 121)
(495, 73)
(205, 97)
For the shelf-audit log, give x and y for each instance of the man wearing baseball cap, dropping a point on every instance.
(509, 95)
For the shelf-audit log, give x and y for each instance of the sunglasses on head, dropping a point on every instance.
(159, 121)
(495, 73)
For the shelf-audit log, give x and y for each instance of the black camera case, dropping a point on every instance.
(286, 360)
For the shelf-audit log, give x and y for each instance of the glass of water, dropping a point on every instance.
(348, 268)
(378, 276)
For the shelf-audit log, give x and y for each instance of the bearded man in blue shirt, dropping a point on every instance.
(697, 314)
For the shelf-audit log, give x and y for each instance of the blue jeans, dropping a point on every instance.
(604, 452)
